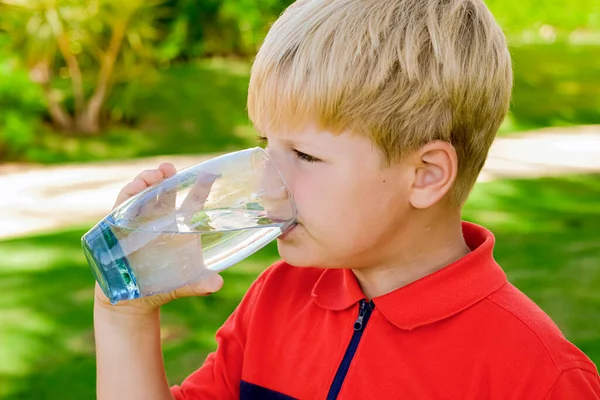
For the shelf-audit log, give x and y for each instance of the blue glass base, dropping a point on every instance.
(109, 263)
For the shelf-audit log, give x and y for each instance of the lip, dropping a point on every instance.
(288, 231)
(277, 220)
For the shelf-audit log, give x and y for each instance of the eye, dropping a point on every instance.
(305, 157)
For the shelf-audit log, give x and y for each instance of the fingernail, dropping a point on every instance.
(214, 283)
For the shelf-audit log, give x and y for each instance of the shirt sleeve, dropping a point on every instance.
(576, 384)
(220, 375)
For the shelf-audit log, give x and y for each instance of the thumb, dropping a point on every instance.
(204, 286)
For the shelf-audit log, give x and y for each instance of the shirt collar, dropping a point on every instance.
(429, 299)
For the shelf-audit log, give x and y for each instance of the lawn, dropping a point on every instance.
(201, 106)
(547, 240)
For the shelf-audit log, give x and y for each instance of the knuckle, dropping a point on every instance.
(154, 301)
(173, 295)
(144, 175)
(130, 185)
(144, 172)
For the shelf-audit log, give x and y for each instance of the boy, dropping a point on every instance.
(380, 114)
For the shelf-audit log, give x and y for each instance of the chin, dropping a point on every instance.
(297, 248)
(303, 256)
(294, 252)
(294, 255)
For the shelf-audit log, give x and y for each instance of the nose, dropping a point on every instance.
(269, 169)
(272, 192)
(278, 161)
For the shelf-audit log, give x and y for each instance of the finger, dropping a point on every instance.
(140, 183)
(203, 287)
(167, 169)
(166, 200)
(160, 205)
(130, 190)
(197, 196)
(150, 176)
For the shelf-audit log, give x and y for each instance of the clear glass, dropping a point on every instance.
(204, 219)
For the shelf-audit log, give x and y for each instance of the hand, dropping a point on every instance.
(188, 244)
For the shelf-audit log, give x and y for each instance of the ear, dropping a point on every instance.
(435, 173)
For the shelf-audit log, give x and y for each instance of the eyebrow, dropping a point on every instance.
(290, 140)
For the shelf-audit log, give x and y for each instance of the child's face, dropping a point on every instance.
(349, 205)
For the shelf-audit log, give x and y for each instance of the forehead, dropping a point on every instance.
(308, 134)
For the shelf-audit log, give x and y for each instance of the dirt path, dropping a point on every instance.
(36, 199)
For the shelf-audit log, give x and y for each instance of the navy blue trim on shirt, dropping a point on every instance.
(364, 313)
(250, 391)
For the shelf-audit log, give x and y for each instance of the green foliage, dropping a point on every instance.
(555, 80)
(548, 21)
(200, 106)
(236, 27)
(554, 85)
(251, 20)
(546, 240)
(77, 51)
(221, 27)
(189, 108)
(21, 106)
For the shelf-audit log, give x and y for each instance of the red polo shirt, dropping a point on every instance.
(462, 332)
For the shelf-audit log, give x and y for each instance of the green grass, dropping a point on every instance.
(547, 241)
(46, 339)
(201, 107)
(548, 238)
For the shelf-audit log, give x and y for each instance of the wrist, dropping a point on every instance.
(125, 314)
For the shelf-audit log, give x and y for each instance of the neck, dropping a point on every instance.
(429, 244)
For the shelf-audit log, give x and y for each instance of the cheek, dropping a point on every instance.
(344, 218)
(365, 211)
(312, 194)
(339, 208)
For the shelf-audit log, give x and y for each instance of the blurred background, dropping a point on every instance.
(92, 92)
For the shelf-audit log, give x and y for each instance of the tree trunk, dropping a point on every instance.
(74, 71)
(40, 73)
(90, 118)
(59, 116)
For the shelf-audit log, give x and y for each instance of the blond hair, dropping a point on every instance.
(404, 72)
